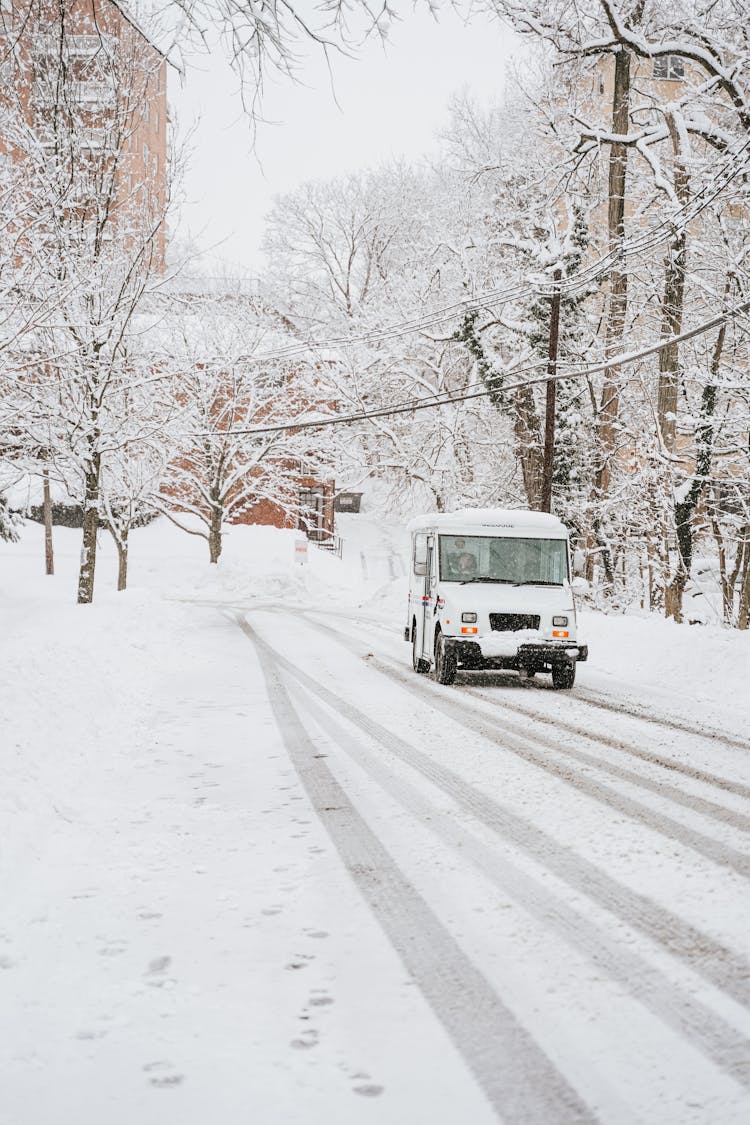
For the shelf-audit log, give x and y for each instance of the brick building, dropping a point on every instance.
(313, 513)
(82, 85)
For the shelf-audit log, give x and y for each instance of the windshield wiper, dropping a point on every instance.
(486, 578)
(536, 582)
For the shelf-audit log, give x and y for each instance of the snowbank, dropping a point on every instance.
(699, 671)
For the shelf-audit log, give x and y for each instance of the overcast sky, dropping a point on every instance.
(390, 103)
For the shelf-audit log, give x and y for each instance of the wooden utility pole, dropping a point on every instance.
(549, 425)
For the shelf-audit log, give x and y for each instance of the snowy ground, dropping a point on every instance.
(253, 869)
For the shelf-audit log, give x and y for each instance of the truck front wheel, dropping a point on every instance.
(446, 664)
(564, 675)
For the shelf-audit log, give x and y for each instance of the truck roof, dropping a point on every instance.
(488, 521)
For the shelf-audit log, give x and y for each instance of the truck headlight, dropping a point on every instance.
(471, 617)
(561, 621)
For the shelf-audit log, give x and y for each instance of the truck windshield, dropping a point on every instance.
(522, 562)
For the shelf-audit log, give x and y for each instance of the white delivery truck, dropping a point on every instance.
(491, 588)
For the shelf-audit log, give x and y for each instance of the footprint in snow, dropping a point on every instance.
(162, 1074)
(307, 1039)
(158, 965)
(113, 949)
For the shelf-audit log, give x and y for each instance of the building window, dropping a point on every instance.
(669, 66)
(347, 502)
(95, 93)
(92, 139)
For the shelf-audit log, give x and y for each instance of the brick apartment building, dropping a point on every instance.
(87, 67)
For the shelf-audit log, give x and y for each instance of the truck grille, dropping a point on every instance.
(512, 622)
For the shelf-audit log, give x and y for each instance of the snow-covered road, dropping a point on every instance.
(551, 870)
(254, 868)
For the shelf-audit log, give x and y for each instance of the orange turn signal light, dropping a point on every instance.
(559, 632)
(468, 628)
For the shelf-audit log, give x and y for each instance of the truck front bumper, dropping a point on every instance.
(536, 657)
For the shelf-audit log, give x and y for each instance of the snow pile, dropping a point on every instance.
(81, 681)
(698, 672)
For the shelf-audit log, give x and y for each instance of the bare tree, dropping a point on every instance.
(77, 123)
(219, 472)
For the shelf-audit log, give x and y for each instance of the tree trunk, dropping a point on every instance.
(90, 527)
(122, 560)
(214, 533)
(617, 306)
(675, 270)
(743, 613)
(528, 433)
(49, 555)
(673, 593)
(549, 420)
(726, 591)
(669, 360)
(685, 509)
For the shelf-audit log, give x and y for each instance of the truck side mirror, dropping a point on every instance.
(579, 585)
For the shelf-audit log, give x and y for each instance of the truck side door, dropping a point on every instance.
(428, 599)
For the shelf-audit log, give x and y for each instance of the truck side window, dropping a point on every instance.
(420, 555)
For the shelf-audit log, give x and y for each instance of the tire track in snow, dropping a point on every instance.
(723, 1044)
(717, 963)
(560, 723)
(662, 788)
(516, 1076)
(593, 699)
(519, 742)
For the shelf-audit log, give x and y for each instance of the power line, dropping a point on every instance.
(448, 399)
(664, 230)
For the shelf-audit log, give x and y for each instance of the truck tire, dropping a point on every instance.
(446, 664)
(419, 664)
(564, 675)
